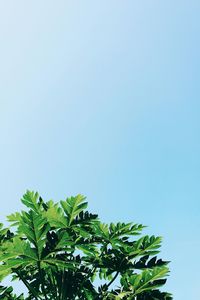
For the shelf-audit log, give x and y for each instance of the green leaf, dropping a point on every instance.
(14, 218)
(16, 253)
(34, 227)
(73, 206)
(56, 217)
(18, 248)
(30, 199)
(102, 231)
(148, 279)
(124, 229)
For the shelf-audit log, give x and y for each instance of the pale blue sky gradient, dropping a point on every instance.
(102, 98)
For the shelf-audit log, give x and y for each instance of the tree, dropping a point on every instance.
(61, 251)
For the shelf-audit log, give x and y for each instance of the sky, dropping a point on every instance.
(102, 98)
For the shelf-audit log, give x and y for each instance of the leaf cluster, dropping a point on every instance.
(61, 251)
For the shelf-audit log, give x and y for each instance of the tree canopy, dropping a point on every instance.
(61, 251)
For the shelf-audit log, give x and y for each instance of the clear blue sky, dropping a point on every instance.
(102, 98)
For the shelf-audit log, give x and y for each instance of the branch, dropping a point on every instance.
(117, 273)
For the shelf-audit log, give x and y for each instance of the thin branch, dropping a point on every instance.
(117, 273)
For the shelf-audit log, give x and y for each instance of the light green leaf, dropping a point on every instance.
(73, 206)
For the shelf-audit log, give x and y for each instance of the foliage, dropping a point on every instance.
(61, 251)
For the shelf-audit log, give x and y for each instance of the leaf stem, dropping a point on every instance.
(117, 273)
(31, 290)
(42, 281)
